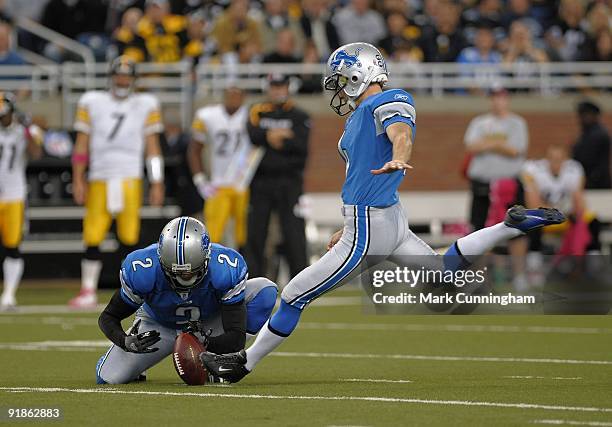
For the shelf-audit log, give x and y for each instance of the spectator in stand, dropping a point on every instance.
(426, 17)
(165, 35)
(566, 35)
(7, 55)
(520, 46)
(275, 20)
(598, 49)
(521, 10)
(235, 29)
(443, 42)
(486, 12)
(72, 18)
(284, 52)
(199, 48)
(483, 52)
(318, 27)
(357, 22)
(311, 83)
(402, 41)
(592, 149)
(126, 40)
(598, 44)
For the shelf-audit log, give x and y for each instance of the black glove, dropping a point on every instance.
(197, 328)
(141, 343)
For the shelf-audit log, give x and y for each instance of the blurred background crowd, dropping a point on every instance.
(306, 31)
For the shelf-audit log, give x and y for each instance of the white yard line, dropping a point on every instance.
(103, 390)
(442, 358)
(15, 318)
(412, 327)
(574, 423)
(373, 380)
(93, 345)
(525, 377)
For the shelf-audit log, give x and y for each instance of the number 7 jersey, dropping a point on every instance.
(117, 129)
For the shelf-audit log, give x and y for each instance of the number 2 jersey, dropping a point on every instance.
(13, 144)
(117, 129)
(364, 146)
(143, 283)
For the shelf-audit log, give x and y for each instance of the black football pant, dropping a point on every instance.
(279, 194)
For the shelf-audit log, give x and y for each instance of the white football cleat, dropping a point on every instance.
(85, 299)
(8, 303)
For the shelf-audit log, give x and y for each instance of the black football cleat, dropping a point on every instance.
(228, 366)
(530, 219)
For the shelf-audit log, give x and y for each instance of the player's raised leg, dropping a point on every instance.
(367, 230)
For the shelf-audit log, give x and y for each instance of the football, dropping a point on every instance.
(186, 361)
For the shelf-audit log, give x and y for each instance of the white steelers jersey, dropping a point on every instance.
(556, 191)
(13, 144)
(227, 135)
(117, 130)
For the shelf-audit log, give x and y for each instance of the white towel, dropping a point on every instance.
(114, 195)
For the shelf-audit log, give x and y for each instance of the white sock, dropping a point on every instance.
(90, 273)
(13, 270)
(264, 344)
(481, 241)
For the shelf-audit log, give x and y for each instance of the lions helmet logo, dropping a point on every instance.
(344, 59)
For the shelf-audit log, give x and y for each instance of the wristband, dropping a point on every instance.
(155, 169)
(80, 158)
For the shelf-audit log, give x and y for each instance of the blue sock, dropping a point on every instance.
(284, 321)
(260, 308)
(454, 259)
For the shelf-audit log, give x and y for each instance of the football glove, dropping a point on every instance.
(141, 343)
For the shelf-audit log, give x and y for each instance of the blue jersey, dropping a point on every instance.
(143, 283)
(364, 146)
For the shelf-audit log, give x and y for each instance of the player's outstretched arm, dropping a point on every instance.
(400, 135)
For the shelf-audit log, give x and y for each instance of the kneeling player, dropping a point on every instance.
(181, 279)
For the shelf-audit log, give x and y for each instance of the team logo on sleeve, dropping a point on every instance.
(343, 59)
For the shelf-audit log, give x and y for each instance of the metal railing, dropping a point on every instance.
(437, 79)
(176, 84)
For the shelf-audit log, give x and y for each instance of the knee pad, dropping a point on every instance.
(13, 252)
(93, 253)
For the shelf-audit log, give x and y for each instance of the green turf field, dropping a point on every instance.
(340, 368)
